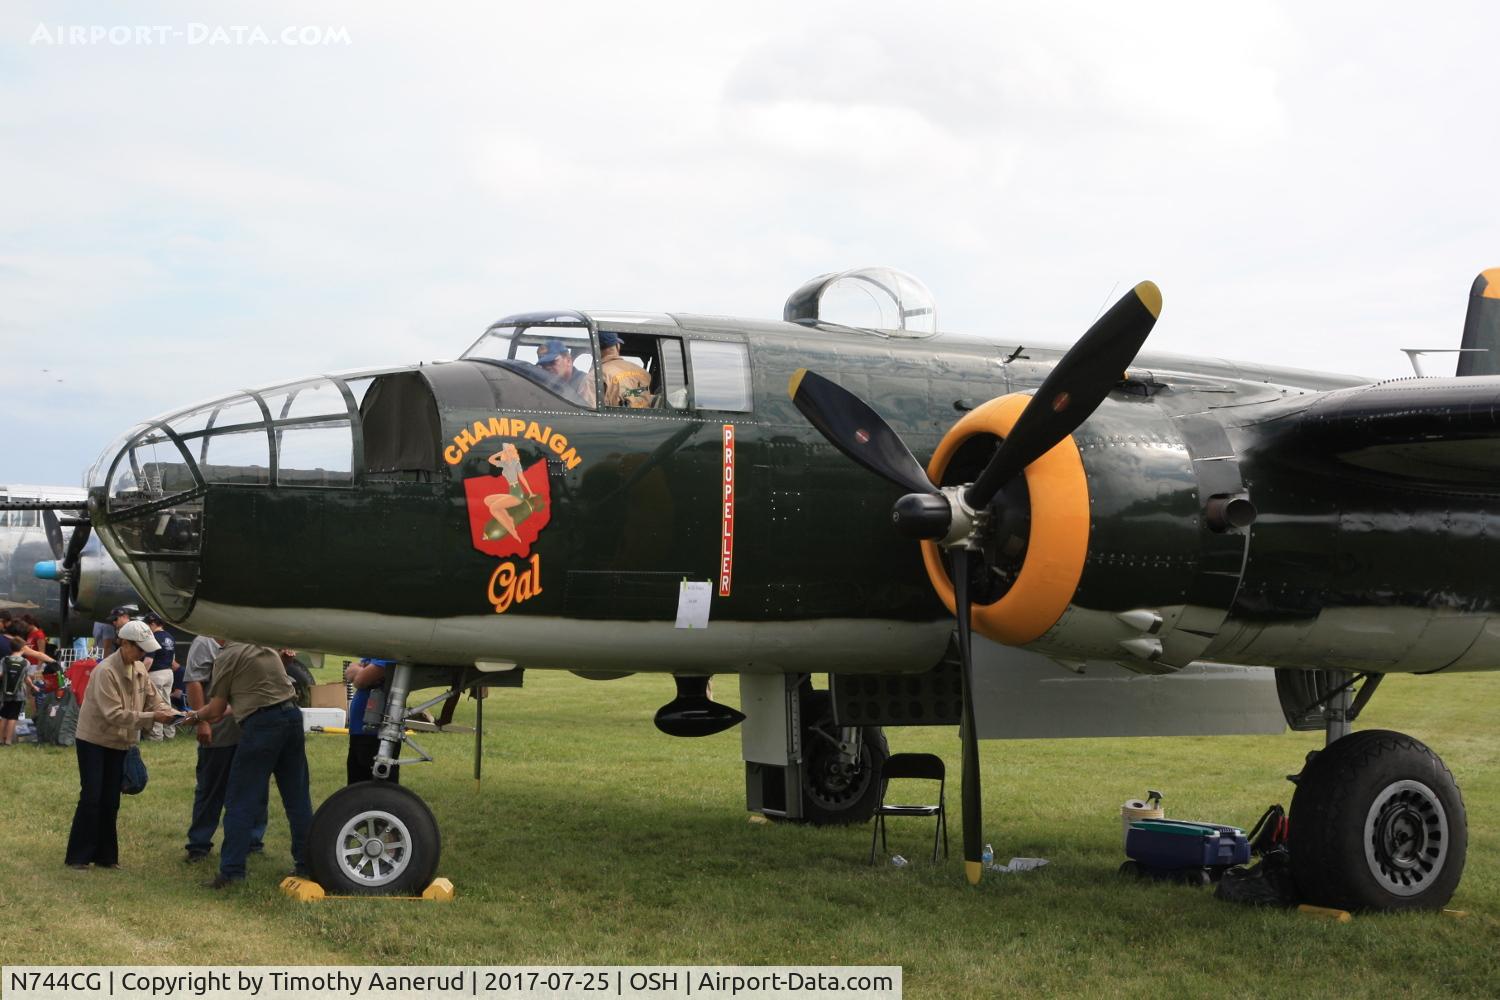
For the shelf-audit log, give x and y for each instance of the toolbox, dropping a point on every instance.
(1169, 844)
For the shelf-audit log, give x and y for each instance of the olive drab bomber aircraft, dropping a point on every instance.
(1093, 542)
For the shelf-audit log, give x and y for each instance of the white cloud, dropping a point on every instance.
(1308, 185)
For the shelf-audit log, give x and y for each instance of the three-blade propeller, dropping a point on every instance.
(956, 517)
(67, 556)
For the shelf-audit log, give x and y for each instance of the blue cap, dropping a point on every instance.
(553, 350)
(608, 339)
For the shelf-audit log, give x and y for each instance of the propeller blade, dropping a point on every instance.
(971, 802)
(1073, 390)
(54, 532)
(857, 431)
(75, 545)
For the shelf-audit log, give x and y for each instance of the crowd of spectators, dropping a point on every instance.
(239, 699)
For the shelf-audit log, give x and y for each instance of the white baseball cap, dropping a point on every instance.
(140, 634)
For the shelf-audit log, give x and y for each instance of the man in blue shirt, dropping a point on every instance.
(160, 668)
(366, 709)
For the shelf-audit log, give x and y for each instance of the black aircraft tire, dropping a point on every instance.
(1377, 823)
(400, 829)
(833, 795)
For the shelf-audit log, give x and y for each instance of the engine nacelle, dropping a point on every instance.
(1124, 542)
(97, 585)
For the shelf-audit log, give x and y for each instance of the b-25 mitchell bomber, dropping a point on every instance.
(1088, 514)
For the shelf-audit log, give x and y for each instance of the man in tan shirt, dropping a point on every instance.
(625, 382)
(122, 701)
(252, 679)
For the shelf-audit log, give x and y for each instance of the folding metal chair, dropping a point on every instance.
(923, 766)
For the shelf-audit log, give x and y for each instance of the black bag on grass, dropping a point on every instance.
(1267, 883)
(48, 718)
(67, 727)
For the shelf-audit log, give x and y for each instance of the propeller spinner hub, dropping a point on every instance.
(944, 517)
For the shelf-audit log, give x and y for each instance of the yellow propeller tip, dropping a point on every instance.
(791, 387)
(1491, 286)
(972, 871)
(1150, 297)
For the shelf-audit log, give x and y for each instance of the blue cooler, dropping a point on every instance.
(1169, 844)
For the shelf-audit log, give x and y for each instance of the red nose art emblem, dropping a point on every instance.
(862, 436)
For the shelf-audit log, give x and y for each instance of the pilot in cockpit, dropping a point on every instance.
(557, 361)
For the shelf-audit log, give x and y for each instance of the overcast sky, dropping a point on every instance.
(197, 210)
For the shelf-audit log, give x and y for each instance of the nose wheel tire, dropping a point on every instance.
(374, 838)
(1377, 823)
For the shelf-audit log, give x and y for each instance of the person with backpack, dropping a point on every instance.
(122, 701)
(12, 691)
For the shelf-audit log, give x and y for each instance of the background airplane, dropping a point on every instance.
(1176, 519)
(70, 598)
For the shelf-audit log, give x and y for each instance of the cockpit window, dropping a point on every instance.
(231, 440)
(237, 457)
(555, 352)
(721, 375)
(320, 398)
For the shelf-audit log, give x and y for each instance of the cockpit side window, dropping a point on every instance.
(300, 434)
(555, 353)
(673, 372)
(642, 371)
(720, 375)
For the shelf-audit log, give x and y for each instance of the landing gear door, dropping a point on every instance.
(770, 741)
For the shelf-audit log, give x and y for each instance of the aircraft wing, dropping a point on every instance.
(1443, 431)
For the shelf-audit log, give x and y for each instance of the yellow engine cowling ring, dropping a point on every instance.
(1059, 530)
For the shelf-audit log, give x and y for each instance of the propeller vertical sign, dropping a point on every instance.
(726, 535)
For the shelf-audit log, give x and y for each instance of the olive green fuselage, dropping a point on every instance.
(1337, 570)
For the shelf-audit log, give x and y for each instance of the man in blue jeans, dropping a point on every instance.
(216, 747)
(252, 679)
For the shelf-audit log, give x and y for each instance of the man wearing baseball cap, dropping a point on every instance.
(105, 631)
(557, 361)
(122, 701)
(160, 669)
(625, 382)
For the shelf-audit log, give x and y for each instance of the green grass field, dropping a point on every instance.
(595, 840)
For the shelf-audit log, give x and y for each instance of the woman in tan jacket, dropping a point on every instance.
(122, 703)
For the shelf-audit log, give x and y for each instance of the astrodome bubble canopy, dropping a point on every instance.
(880, 299)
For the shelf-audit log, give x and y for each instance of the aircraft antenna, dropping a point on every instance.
(1107, 299)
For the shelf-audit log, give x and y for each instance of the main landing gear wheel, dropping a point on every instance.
(835, 790)
(1377, 824)
(374, 838)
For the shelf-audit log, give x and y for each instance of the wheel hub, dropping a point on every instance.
(835, 781)
(1406, 837)
(374, 848)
